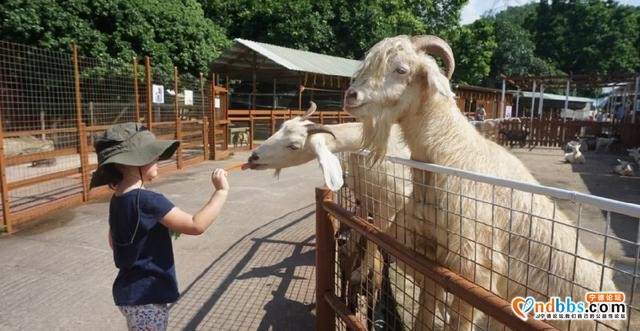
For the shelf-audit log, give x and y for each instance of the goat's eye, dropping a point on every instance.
(401, 70)
(293, 147)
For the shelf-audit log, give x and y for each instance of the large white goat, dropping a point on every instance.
(514, 250)
(300, 140)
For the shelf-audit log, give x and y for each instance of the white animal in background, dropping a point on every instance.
(604, 144)
(634, 153)
(575, 156)
(623, 168)
(568, 148)
(400, 82)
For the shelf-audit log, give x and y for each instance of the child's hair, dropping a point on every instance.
(112, 175)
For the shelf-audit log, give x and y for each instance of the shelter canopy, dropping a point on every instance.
(285, 64)
(556, 100)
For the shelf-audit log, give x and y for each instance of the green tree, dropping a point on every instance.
(474, 46)
(339, 27)
(300, 24)
(515, 51)
(594, 37)
(112, 31)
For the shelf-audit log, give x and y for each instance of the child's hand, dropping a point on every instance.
(219, 180)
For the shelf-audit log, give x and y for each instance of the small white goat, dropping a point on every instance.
(300, 140)
(568, 148)
(634, 153)
(575, 156)
(604, 144)
(623, 168)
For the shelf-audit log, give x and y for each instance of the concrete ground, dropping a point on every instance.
(253, 269)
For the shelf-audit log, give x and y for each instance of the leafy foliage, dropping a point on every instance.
(474, 46)
(339, 27)
(546, 37)
(170, 32)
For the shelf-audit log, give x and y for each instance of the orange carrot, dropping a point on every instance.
(234, 166)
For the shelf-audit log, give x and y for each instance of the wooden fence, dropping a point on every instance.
(556, 133)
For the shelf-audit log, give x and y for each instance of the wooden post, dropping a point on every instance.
(533, 100)
(273, 123)
(566, 111)
(4, 188)
(147, 72)
(517, 103)
(225, 115)
(205, 137)
(275, 104)
(212, 112)
(205, 148)
(178, 118)
(275, 95)
(635, 100)
(325, 262)
(501, 111)
(136, 95)
(82, 137)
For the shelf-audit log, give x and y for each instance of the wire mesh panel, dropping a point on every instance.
(107, 94)
(192, 105)
(51, 107)
(513, 239)
(39, 123)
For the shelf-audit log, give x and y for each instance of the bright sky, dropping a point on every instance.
(475, 8)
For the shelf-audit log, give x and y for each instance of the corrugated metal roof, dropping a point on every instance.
(557, 97)
(290, 59)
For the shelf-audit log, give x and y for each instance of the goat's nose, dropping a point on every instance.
(253, 157)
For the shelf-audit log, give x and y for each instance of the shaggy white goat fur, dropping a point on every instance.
(399, 83)
(575, 156)
(623, 168)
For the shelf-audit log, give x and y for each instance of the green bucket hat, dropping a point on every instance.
(128, 144)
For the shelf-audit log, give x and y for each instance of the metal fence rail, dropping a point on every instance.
(504, 237)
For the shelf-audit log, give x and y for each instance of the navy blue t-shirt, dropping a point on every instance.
(147, 271)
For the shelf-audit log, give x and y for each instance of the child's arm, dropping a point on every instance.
(183, 222)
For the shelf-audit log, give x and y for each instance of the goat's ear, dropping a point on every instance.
(329, 163)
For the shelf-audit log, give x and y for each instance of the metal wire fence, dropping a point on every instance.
(509, 239)
(53, 103)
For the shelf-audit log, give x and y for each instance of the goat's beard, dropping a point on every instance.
(375, 133)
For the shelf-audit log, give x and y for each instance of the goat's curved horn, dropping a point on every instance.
(435, 46)
(318, 128)
(311, 110)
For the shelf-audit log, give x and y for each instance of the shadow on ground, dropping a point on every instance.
(274, 264)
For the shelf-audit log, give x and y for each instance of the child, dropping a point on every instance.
(140, 222)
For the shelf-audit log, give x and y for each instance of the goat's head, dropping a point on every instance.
(397, 75)
(299, 141)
